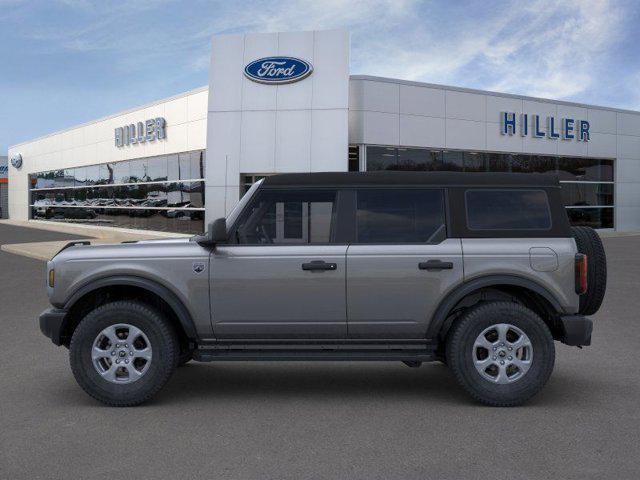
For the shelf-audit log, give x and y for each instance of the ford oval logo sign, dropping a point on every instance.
(278, 70)
(16, 160)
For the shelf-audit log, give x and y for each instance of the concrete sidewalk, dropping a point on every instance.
(96, 235)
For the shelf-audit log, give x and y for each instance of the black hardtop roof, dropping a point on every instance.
(387, 178)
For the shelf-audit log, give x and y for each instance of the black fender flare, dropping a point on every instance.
(183, 315)
(466, 288)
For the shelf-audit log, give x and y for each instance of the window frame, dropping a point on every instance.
(504, 189)
(445, 212)
(336, 234)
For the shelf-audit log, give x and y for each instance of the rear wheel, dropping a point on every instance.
(122, 353)
(501, 353)
(588, 242)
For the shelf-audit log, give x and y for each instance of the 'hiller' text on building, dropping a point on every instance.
(147, 131)
(566, 129)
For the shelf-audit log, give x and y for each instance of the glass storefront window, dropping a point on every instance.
(132, 193)
(138, 171)
(587, 194)
(121, 172)
(585, 169)
(586, 182)
(591, 217)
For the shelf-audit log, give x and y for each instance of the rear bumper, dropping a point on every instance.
(51, 323)
(576, 330)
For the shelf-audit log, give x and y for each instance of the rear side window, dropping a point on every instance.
(508, 209)
(400, 216)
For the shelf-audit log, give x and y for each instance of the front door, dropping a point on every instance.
(400, 264)
(283, 274)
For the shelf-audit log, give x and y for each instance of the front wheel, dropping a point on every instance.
(501, 353)
(122, 353)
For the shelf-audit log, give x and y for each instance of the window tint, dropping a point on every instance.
(397, 216)
(516, 209)
(288, 217)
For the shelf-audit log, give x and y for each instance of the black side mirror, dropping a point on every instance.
(216, 233)
(219, 230)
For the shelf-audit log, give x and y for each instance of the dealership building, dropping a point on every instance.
(286, 102)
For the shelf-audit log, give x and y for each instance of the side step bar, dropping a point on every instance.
(317, 352)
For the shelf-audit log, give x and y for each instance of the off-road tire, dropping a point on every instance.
(588, 242)
(460, 344)
(164, 346)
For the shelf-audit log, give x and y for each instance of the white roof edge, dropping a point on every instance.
(117, 114)
(487, 92)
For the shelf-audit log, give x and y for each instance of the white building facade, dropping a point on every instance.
(285, 102)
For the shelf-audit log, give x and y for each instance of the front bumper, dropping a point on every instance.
(52, 323)
(576, 330)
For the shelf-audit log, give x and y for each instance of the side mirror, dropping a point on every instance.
(219, 230)
(216, 233)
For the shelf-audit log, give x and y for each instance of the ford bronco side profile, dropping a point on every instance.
(480, 271)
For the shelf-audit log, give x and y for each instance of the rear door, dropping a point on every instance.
(401, 262)
(285, 275)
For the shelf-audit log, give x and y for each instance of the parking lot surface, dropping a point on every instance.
(319, 420)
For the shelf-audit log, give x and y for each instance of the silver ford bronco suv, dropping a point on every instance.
(480, 271)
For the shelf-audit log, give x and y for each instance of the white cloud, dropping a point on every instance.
(540, 48)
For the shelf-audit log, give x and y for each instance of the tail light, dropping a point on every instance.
(581, 273)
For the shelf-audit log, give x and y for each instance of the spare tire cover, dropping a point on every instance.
(588, 242)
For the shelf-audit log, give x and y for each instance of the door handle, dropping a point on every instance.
(319, 265)
(435, 265)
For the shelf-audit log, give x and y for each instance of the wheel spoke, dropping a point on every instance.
(502, 329)
(502, 375)
(134, 332)
(110, 374)
(110, 333)
(522, 341)
(142, 353)
(98, 353)
(133, 373)
(482, 341)
(483, 364)
(523, 365)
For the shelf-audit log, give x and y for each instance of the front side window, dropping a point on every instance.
(288, 217)
(508, 209)
(400, 216)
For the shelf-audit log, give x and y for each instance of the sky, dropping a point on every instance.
(66, 62)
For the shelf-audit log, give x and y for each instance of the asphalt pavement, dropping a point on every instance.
(319, 420)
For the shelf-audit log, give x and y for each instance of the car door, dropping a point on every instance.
(401, 262)
(284, 277)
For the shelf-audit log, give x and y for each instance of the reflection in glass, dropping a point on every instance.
(173, 167)
(138, 171)
(92, 175)
(121, 172)
(586, 169)
(587, 194)
(80, 176)
(591, 217)
(157, 170)
(475, 162)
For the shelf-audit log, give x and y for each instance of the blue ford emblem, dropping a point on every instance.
(277, 70)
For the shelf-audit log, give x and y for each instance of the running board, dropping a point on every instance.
(316, 352)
